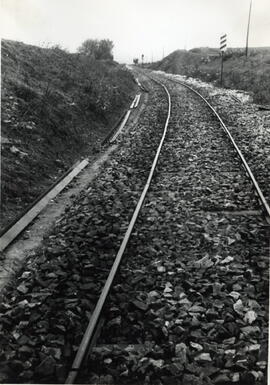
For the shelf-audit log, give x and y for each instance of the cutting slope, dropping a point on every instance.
(56, 107)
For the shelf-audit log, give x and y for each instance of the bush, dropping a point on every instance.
(97, 49)
(23, 91)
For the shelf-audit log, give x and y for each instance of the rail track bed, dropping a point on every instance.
(247, 122)
(189, 304)
(182, 310)
(251, 129)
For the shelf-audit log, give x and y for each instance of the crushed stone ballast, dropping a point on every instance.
(93, 323)
(250, 174)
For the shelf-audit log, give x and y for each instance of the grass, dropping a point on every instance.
(251, 74)
(56, 107)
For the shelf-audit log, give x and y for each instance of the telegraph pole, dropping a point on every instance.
(248, 27)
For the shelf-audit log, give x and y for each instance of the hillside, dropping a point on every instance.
(56, 107)
(250, 74)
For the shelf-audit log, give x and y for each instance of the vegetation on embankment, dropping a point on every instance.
(251, 74)
(56, 107)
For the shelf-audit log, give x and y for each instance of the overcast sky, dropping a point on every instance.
(136, 26)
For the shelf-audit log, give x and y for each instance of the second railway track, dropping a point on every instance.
(189, 302)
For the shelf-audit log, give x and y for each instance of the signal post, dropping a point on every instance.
(223, 46)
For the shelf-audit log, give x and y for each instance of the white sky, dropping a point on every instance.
(136, 26)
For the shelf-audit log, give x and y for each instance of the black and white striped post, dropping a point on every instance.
(223, 46)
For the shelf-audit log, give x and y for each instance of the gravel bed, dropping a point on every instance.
(249, 125)
(251, 130)
(190, 303)
(46, 310)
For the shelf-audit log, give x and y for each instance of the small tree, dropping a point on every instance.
(89, 48)
(105, 48)
(97, 49)
(135, 61)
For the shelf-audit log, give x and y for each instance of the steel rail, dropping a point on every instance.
(137, 101)
(90, 331)
(122, 125)
(115, 131)
(241, 156)
(112, 131)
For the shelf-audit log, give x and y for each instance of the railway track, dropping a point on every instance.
(192, 311)
(248, 126)
(90, 331)
(250, 174)
(90, 336)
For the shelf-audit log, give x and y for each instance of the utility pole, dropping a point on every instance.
(248, 27)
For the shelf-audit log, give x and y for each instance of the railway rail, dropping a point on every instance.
(250, 174)
(90, 331)
(166, 194)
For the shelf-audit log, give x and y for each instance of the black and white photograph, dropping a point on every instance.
(135, 192)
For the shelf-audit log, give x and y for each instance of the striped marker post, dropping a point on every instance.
(223, 46)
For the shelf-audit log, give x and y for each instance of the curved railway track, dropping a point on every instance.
(90, 337)
(176, 230)
(250, 174)
(89, 334)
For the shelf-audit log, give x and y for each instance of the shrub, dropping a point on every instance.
(97, 49)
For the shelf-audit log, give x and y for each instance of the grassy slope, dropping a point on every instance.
(56, 106)
(250, 74)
